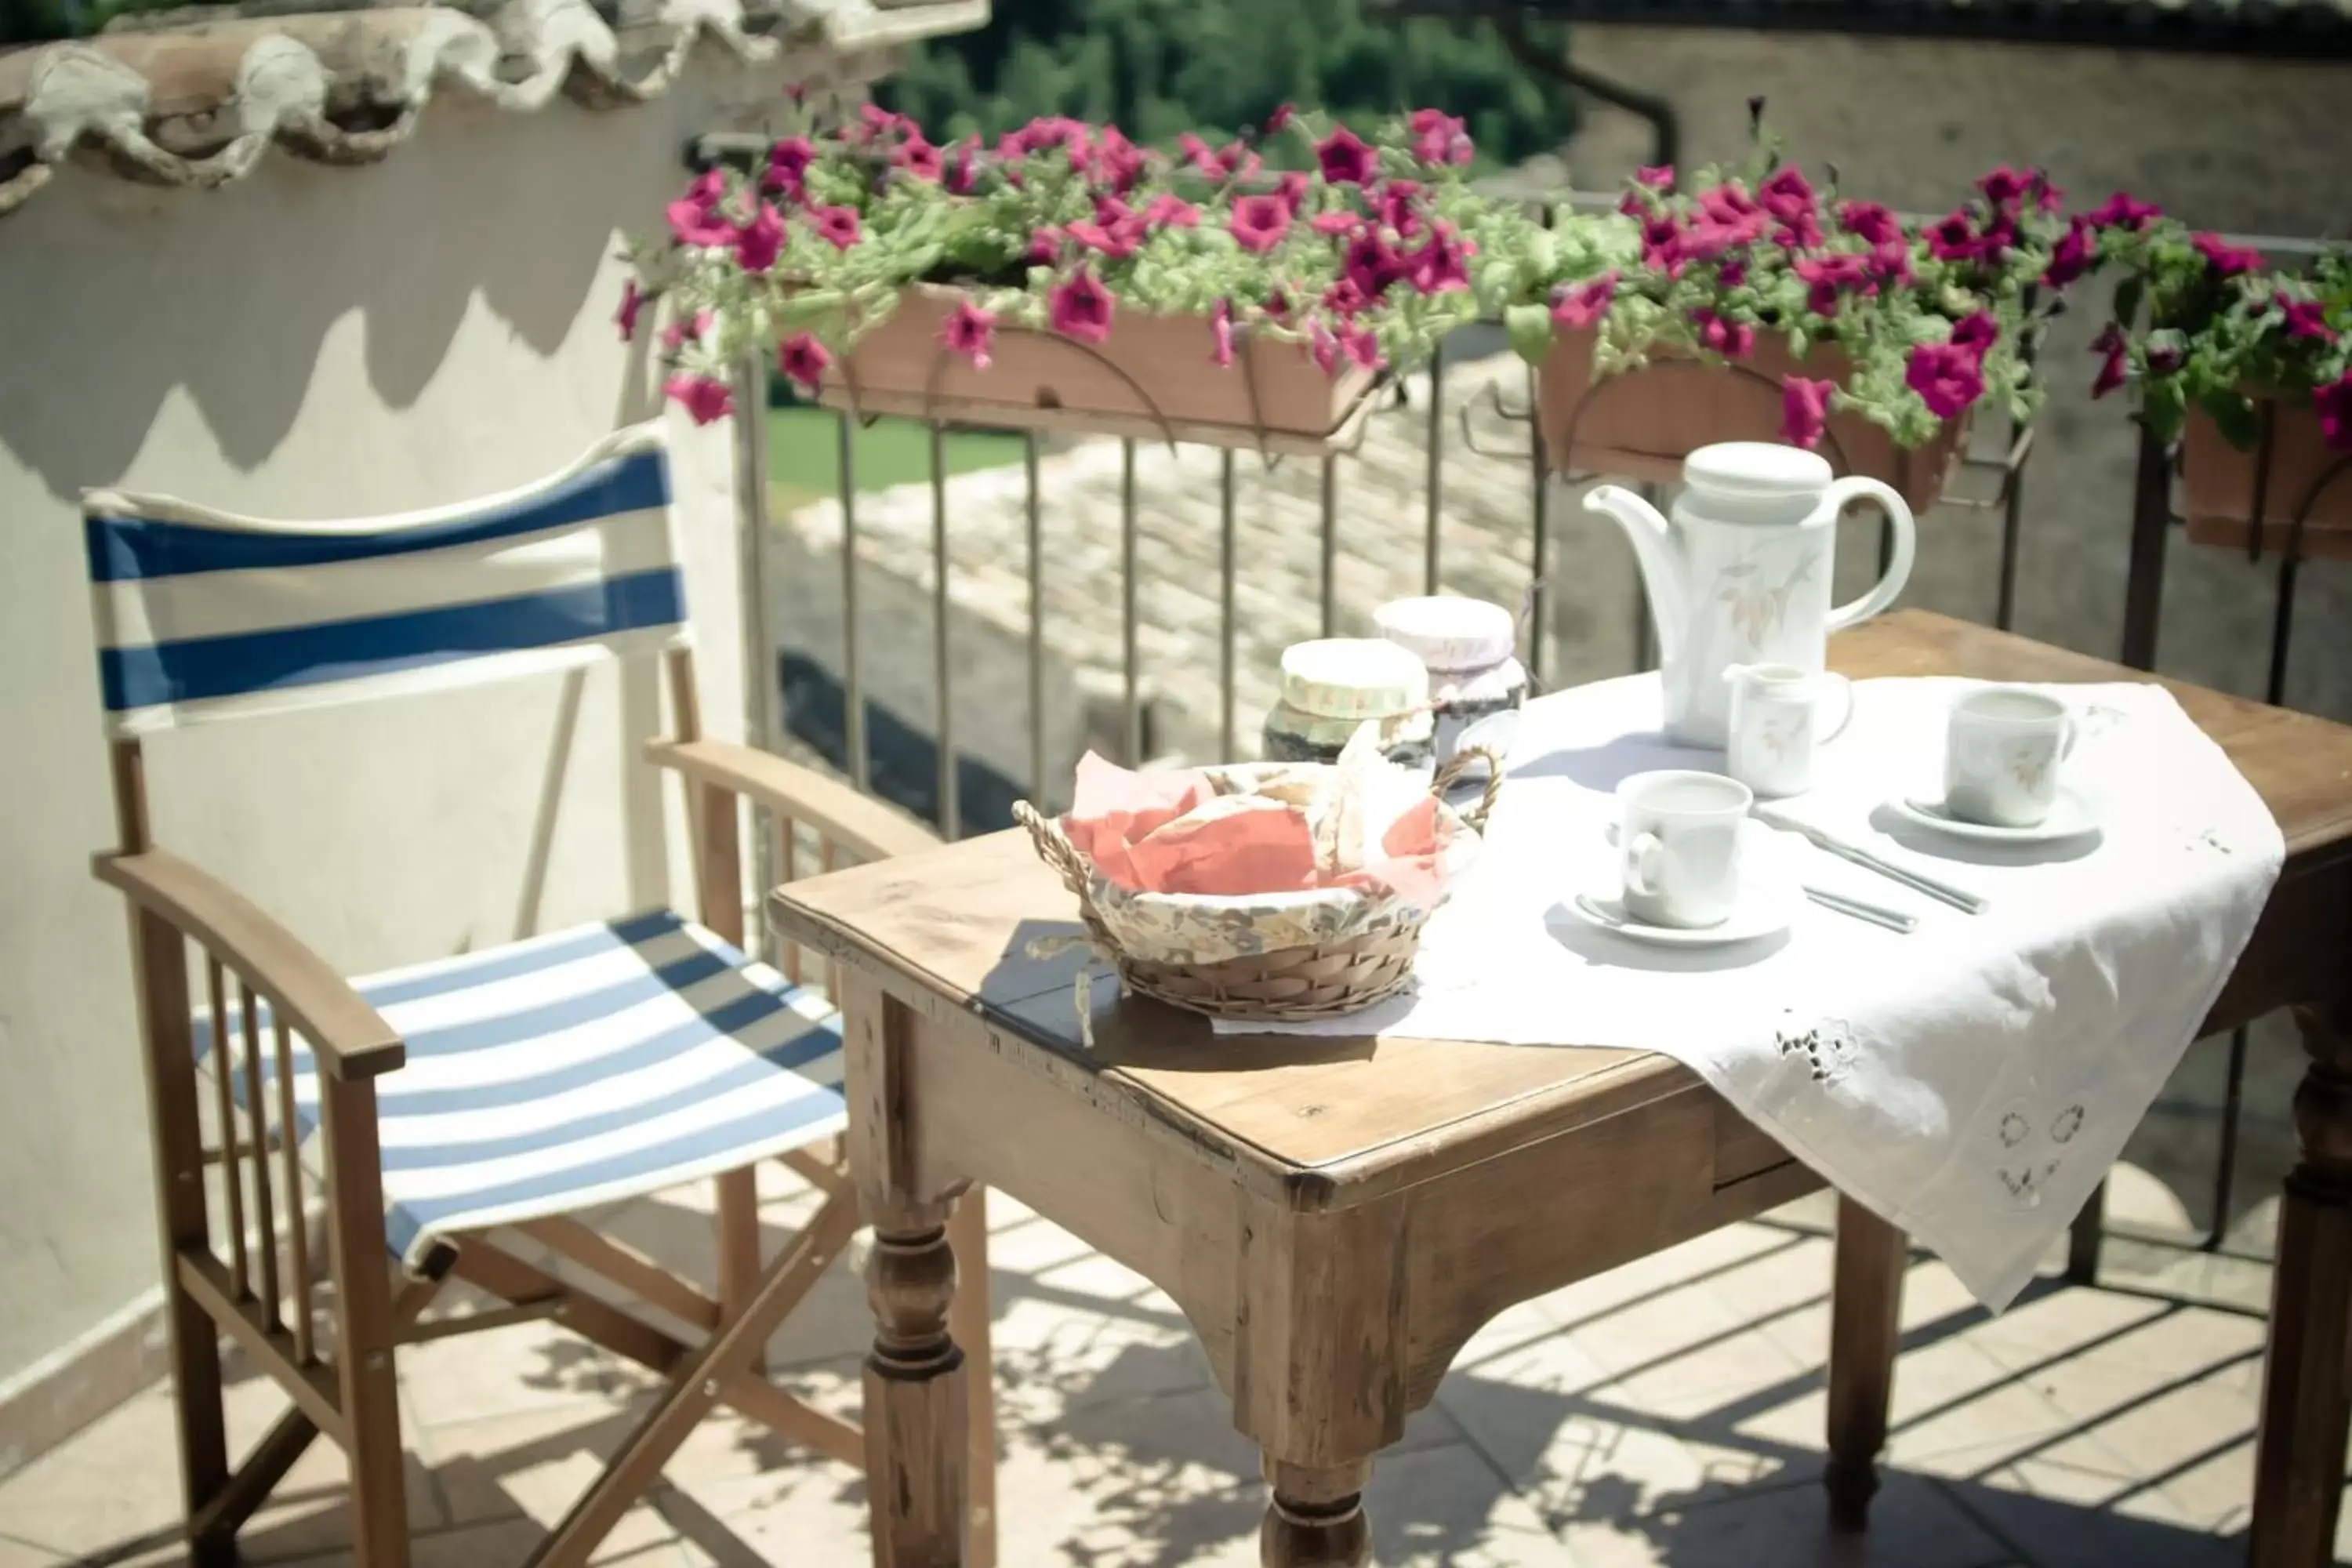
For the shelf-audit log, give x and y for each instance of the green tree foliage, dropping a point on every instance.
(1158, 67)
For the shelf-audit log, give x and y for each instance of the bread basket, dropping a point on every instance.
(1271, 957)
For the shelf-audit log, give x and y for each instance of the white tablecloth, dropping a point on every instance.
(1970, 1081)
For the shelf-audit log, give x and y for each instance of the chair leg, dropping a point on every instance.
(739, 1249)
(203, 1430)
(968, 1322)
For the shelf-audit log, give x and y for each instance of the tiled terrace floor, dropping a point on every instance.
(1668, 1414)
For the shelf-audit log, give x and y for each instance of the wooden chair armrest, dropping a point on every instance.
(351, 1039)
(864, 825)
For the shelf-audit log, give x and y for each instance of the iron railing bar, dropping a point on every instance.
(1437, 455)
(1539, 576)
(950, 814)
(1228, 733)
(1130, 678)
(762, 689)
(1036, 540)
(861, 768)
(2004, 614)
(2225, 1162)
(1330, 606)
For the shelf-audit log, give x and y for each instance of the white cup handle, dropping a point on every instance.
(1644, 859)
(1845, 715)
(1898, 569)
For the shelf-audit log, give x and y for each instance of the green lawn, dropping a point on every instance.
(804, 453)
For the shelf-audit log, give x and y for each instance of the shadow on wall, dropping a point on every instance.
(184, 296)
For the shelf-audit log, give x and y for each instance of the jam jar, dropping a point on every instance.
(1333, 685)
(1476, 682)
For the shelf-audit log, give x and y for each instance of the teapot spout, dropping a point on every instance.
(1664, 569)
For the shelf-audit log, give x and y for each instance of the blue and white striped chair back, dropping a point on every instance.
(202, 615)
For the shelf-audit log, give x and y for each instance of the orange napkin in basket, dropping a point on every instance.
(1171, 832)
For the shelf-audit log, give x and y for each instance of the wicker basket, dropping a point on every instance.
(1313, 980)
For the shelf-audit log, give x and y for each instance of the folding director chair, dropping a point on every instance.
(534, 1080)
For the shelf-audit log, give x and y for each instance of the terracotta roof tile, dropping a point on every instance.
(199, 101)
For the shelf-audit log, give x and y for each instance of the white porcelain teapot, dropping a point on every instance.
(1742, 573)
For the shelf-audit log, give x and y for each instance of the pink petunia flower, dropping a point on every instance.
(2047, 197)
(1117, 241)
(1346, 158)
(1442, 264)
(2005, 186)
(1731, 274)
(1440, 139)
(1362, 346)
(1280, 117)
(970, 331)
(1394, 207)
(677, 335)
(1045, 247)
(1658, 176)
(704, 398)
(838, 225)
(1116, 161)
(632, 302)
(2306, 319)
(920, 158)
(874, 123)
(1828, 278)
(2072, 255)
(1221, 329)
(1372, 266)
(1326, 348)
(804, 359)
(1946, 377)
(1584, 305)
(788, 166)
(1787, 194)
(1336, 222)
(1241, 162)
(1804, 410)
(1869, 222)
(2121, 211)
(1954, 237)
(1977, 333)
(695, 222)
(761, 241)
(2335, 405)
(1891, 261)
(1733, 340)
(1082, 308)
(2227, 260)
(1343, 298)
(1662, 245)
(963, 167)
(1201, 155)
(2114, 361)
(1169, 210)
(709, 187)
(1259, 223)
(1290, 189)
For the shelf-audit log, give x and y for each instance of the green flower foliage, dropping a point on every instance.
(2203, 324)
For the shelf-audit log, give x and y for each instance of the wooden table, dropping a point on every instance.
(1337, 1217)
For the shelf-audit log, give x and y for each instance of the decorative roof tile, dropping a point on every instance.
(199, 100)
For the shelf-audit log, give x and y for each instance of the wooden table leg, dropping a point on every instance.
(1316, 1517)
(1865, 1324)
(2299, 1453)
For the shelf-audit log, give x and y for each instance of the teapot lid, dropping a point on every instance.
(1761, 470)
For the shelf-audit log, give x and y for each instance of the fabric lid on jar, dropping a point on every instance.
(1447, 633)
(1352, 678)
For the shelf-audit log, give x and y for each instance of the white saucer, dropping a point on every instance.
(2071, 815)
(1764, 909)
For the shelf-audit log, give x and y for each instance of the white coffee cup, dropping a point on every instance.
(1680, 835)
(1777, 724)
(2002, 755)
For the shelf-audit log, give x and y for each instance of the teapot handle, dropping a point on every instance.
(1842, 493)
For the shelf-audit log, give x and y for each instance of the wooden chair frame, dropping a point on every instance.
(350, 1393)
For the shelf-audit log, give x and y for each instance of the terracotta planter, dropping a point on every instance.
(1154, 376)
(1642, 424)
(2219, 481)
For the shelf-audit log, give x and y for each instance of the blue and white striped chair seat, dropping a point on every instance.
(582, 1067)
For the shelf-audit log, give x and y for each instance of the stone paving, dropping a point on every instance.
(1668, 1414)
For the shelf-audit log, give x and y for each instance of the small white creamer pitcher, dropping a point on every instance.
(1778, 723)
(1742, 573)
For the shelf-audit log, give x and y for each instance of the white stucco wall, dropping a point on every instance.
(314, 342)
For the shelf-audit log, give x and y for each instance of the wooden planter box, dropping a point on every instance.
(1642, 424)
(1155, 378)
(2218, 481)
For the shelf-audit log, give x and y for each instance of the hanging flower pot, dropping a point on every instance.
(1067, 279)
(1641, 423)
(1149, 375)
(2224, 486)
